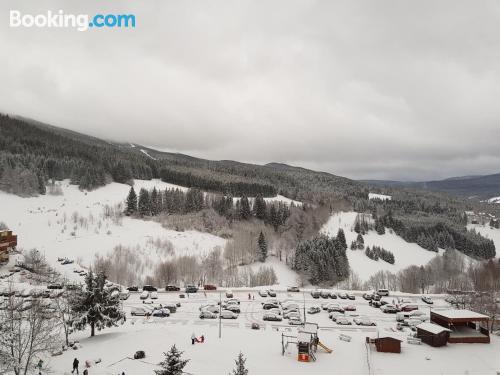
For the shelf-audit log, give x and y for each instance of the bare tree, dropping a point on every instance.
(27, 333)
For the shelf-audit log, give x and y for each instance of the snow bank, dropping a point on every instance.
(379, 196)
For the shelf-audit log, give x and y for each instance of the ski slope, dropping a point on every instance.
(405, 253)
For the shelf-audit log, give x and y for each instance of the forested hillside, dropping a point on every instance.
(31, 153)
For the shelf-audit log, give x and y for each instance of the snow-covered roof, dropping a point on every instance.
(432, 328)
(304, 337)
(461, 314)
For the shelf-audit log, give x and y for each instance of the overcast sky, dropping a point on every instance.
(376, 89)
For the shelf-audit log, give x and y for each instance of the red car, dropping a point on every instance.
(349, 308)
(408, 307)
(209, 287)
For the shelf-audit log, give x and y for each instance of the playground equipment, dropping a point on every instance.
(307, 342)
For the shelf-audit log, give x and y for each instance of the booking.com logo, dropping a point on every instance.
(80, 22)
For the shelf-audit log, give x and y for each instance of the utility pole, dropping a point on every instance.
(304, 296)
(220, 311)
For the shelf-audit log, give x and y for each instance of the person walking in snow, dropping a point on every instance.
(193, 339)
(202, 339)
(75, 365)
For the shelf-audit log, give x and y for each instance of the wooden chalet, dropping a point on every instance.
(465, 326)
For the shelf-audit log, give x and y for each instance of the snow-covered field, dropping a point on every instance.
(494, 200)
(115, 347)
(76, 225)
(379, 196)
(405, 253)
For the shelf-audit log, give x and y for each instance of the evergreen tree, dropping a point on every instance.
(155, 202)
(240, 368)
(263, 247)
(94, 306)
(259, 207)
(274, 218)
(131, 202)
(144, 203)
(244, 208)
(173, 364)
(41, 184)
(341, 238)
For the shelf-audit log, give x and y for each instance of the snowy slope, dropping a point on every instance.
(379, 196)
(494, 200)
(49, 223)
(406, 254)
(488, 232)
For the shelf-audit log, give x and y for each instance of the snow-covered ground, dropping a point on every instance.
(75, 225)
(494, 200)
(488, 232)
(405, 253)
(379, 196)
(285, 275)
(262, 348)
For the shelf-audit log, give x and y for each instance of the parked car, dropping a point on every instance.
(342, 295)
(209, 287)
(295, 321)
(232, 301)
(149, 288)
(263, 293)
(342, 320)
(408, 307)
(140, 310)
(333, 295)
(144, 295)
(212, 308)
(349, 308)
(154, 295)
(255, 326)
(271, 293)
(389, 309)
(315, 294)
(374, 303)
(272, 317)
(54, 286)
(293, 289)
(324, 294)
(205, 314)
(234, 308)
(368, 296)
(191, 289)
(351, 296)
(226, 314)
(229, 294)
(364, 321)
(274, 311)
(124, 295)
(291, 314)
(383, 292)
(268, 306)
(427, 300)
(412, 322)
(172, 307)
(313, 310)
(161, 313)
(172, 288)
(334, 316)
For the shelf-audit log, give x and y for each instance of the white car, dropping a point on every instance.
(275, 310)
(364, 321)
(154, 295)
(140, 311)
(226, 314)
(211, 308)
(342, 320)
(294, 321)
(292, 314)
(263, 293)
(205, 314)
(272, 317)
(144, 295)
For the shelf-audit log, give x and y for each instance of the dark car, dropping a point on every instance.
(293, 289)
(140, 354)
(427, 300)
(315, 294)
(333, 295)
(172, 288)
(191, 289)
(271, 293)
(268, 306)
(133, 288)
(325, 294)
(54, 286)
(149, 288)
(209, 287)
(376, 304)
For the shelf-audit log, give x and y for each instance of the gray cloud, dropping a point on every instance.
(400, 90)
